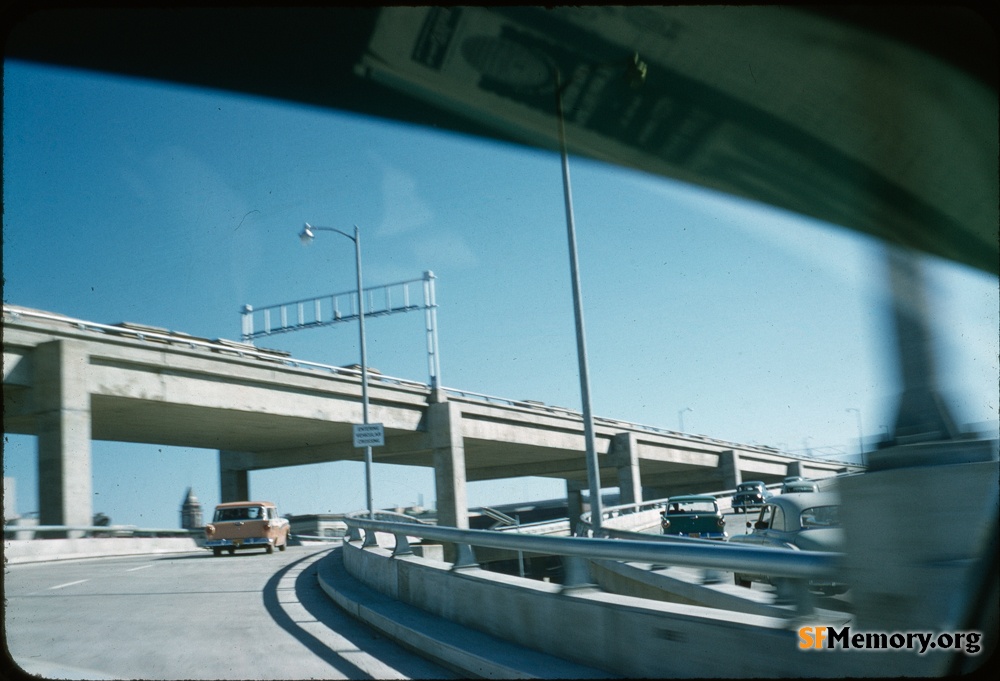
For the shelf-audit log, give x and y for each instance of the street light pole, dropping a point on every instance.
(590, 444)
(636, 74)
(307, 235)
(680, 416)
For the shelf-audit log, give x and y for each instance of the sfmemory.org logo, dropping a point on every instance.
(830, 638)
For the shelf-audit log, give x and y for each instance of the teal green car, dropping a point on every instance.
(693, 515)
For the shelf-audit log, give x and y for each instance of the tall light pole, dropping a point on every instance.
(861, 441)
(636, 74)
(307, 235)
(680, 416)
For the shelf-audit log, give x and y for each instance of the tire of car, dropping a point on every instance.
(270, 548)
(284, 545)
(745, 583)
(231, 551)
(216, 551)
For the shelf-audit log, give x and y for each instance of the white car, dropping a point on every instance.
(800, 522)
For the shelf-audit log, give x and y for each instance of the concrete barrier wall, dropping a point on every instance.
(623, 635)
(17, 551)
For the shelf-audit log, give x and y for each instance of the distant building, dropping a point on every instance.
(9, 499)
(191, 512)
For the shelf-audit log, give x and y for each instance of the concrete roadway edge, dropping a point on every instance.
(463, 650)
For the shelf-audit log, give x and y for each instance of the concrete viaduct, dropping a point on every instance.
(69, 382)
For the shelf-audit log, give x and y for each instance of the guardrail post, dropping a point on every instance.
(464, 557)
(576, 573)
(402, 546)
(353, 533)
(370, 539)
(795, 592)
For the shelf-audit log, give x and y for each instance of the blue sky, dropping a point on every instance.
(129, 200)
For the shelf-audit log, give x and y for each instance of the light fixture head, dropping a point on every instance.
(307, 234)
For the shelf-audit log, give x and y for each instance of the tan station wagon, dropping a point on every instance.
(241, 525)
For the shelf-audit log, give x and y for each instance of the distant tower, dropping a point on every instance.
(191, 512)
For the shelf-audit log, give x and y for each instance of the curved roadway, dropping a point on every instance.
(193, 616)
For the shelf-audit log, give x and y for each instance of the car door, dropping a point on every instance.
(775, 533)
(758, 528)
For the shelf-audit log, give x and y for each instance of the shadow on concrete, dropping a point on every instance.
(363, 638)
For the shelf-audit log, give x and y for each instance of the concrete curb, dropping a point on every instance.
(38, 550)
(464, 650)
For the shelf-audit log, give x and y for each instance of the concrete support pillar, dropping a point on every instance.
(794, 468)
(729, 469)
(623, 453)
(574, 503)
(444, 423)
(65, 483)
(234, 480)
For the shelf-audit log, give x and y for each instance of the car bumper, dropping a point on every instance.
(722, 536)
(237, 543)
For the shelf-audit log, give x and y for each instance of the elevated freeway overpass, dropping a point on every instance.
(69, 381)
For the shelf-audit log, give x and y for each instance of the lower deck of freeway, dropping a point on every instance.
(246, 616)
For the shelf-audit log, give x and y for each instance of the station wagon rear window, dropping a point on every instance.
(241, 513)
(691, 507)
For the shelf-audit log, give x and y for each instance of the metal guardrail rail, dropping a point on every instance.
(797, 565)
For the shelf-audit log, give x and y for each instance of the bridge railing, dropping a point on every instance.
(31, 531)
(797, 567)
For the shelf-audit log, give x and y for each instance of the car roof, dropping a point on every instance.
(692, 497)
(748, 483)
(796, 501)
(231, 504)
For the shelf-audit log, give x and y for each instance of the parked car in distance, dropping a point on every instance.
(241, 525)
(693, 515)
(796, 521)
(799, 486)
(750, 495)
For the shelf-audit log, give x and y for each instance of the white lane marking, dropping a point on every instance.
(141, 567)
(63, 586)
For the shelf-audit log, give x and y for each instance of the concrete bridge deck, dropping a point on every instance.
(70, 381)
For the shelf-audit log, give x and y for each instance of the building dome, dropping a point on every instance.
(191, 512)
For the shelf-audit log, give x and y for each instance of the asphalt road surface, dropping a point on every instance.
(193, 616)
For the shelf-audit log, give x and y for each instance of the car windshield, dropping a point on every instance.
(691, 507)
(437, 135)
(820, 516)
